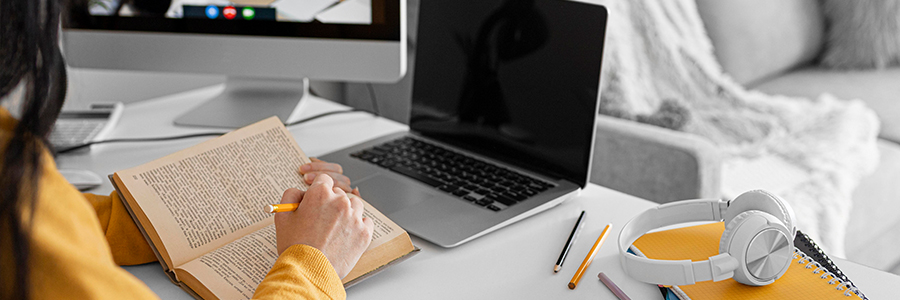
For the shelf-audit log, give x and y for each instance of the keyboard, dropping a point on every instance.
(74, 128)
(73, 132)
(467, 178)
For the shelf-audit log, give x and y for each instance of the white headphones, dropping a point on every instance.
(756, 247)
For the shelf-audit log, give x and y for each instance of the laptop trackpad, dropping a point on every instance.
(389, 195)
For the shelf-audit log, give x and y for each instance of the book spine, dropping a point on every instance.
(840, 283)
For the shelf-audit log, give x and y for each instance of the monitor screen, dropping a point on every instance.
(353, 19)
(517, 80)
(265, 48)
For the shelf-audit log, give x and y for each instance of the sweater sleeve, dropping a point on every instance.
(128, 245)
(301, 272)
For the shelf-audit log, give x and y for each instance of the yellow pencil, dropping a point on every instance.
(286, 207)
(277, 208)
(589, 257)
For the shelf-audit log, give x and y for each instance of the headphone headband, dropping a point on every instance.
(674, 272)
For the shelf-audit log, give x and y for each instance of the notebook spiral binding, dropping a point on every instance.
(842, 283)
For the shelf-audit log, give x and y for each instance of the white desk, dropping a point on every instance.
(513, 263)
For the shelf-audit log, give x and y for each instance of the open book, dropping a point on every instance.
(202, 210)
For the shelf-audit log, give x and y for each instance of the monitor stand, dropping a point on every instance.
(247, 100)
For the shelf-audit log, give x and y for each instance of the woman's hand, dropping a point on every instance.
(317, 167)
(328, 219)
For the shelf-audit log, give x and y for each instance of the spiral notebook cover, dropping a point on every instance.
(804, 279)
(804, 244)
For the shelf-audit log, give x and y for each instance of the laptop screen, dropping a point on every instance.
(514, 80)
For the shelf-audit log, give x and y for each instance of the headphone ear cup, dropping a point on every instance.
(762, 201)
(759, 243)
(728, 234)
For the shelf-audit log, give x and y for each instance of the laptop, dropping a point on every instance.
(505, 96)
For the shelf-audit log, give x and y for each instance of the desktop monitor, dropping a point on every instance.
(267, 49)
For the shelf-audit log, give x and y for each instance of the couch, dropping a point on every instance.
(771, 46)
(768, 45)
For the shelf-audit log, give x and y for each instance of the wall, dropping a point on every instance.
(393, 99)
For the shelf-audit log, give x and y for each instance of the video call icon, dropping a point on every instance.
(229, 12)
(248, 13)
(212, 12)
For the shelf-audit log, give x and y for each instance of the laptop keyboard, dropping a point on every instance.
(470, 179)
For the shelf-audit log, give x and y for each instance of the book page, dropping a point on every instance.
(389, 242)
(203, 197)
(236, 269)
(385, 229)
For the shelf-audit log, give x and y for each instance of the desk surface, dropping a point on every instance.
(512, 263)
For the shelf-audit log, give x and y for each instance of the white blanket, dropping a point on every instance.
(659, 49)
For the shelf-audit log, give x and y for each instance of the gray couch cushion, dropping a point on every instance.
(862, 34)
(879, 89)
(654, 163)
(754, 39)
(872, 233)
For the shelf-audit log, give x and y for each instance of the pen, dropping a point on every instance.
(613, 287)
(565, 250)
(589, 257)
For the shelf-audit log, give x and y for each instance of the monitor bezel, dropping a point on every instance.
(388, 30)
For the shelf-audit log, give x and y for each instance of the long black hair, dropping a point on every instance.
(29, 57)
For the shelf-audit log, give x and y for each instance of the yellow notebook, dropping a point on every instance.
(804, 279)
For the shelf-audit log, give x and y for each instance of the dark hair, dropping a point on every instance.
(29, 55)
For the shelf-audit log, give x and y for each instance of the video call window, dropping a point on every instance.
(359, 12)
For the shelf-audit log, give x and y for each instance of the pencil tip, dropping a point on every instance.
(270, 208)
(556, 269)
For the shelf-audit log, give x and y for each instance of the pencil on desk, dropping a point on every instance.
(613, 287)
(590, 257)
(565, 250)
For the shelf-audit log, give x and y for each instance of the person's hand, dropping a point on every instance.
(328, 219)
(317, 167)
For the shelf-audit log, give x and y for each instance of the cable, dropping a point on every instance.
(178, 137)
(337, 112)
(372, 98)
(152, 139)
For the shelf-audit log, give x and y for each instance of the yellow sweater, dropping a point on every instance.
(79, 241)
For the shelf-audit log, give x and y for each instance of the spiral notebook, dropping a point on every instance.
(811, 275)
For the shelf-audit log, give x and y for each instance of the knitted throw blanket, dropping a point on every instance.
(659, 68)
